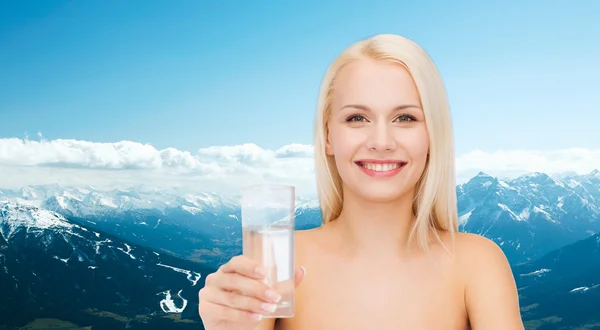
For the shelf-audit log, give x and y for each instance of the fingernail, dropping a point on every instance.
(272, 295)
(261, 271)
(268, 307)
(256, 316)
(303, 270)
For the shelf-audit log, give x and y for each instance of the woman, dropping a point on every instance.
(388, 255)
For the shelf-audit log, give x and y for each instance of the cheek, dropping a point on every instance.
(417, 145)
(343, 143)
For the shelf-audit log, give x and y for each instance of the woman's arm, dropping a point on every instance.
(491, 295)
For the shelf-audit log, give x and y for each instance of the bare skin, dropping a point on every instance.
(398, 293)
(361, 271)
(352, 291)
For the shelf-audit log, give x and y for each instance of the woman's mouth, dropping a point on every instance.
(380, 168)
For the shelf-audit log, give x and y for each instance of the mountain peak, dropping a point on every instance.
(537, 177)
(482, 174)
(481, 178)
(15, 216)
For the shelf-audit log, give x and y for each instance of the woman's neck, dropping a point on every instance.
(374, 229)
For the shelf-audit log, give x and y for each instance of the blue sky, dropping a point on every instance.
(193, 74)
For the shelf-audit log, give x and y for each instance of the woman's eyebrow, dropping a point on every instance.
(366, 108)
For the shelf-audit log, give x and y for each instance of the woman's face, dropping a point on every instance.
(377, 133)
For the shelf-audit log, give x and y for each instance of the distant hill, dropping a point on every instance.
(562, 289)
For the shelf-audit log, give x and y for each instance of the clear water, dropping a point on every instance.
(273, 246)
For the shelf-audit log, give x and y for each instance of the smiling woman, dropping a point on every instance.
(376, 167)
(389, 255)
(375, 117)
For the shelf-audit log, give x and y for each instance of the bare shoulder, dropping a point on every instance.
(476, 246)
(479, 258)
(491, 296)
(306, 238)
(302, 236)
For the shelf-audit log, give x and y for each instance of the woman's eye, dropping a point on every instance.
(406, 118)
(356, 118)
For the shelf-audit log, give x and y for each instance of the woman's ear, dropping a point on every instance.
(328, 150)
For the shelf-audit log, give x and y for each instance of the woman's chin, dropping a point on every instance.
(382, 194)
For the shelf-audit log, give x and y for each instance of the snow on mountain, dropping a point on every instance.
(52, 267)
(84, 201)
(15, 217)
(111, 251)
(533, 214)
(89, 201)
(527, 216)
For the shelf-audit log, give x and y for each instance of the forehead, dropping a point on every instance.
(377, 84)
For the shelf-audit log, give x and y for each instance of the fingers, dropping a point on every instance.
(208, 309)
(236, 283)
(299, 275)
(237, 292)
(235, 315)
(239, 302)
(245, 266)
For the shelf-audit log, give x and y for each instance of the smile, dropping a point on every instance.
(381, 168)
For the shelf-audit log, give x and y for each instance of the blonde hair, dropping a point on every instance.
(435, 198)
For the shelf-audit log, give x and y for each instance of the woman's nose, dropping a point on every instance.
(381, 138)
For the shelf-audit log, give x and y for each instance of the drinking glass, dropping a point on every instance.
(268, 237)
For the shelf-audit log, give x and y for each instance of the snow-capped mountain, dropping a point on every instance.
(201, 227)
(106, 258)
(88, 201)
(562, 289)
(53, 268)
(533, 214)
(527, 216)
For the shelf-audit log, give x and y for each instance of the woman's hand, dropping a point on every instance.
(236, 297)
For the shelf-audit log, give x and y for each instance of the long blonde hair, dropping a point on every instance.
(434, 205)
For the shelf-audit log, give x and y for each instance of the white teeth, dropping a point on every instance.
(380, 167)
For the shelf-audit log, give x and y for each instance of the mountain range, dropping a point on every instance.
(531, 215)
(139, 255)
(54, 269)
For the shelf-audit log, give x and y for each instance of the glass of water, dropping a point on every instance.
(268, 237)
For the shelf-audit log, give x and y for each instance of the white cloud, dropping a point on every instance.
(223, 168)
(510, 163)
(126, 163)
